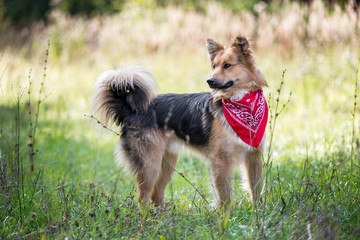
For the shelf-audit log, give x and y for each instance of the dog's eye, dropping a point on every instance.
(213, 66)
(226, 65)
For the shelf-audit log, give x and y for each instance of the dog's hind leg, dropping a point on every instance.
(149, 151)
(253, 170)
(168, 165)
(146, 178)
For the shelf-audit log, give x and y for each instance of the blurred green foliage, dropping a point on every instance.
(237, 6)
(91, 7)
(22, 12)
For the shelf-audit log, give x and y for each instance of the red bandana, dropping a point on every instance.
(247, 116)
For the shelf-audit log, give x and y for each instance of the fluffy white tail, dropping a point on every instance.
(121, 92)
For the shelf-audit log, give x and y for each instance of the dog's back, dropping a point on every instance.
(189, 116)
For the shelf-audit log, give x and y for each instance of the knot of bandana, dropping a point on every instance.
(247, 116)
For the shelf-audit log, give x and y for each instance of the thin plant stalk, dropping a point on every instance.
(33, 136)
(18, 159)
(273, 118)
(272, 124)
(30, 142)
(353, 114)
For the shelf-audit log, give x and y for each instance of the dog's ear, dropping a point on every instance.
(213, 48)
(242, 44)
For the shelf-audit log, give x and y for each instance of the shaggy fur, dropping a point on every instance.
(152, 124)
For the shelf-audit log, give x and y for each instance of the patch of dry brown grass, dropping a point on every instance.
(142, 30)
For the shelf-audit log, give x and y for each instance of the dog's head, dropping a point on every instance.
(233, 69)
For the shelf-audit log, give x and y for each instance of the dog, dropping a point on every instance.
(211, 123)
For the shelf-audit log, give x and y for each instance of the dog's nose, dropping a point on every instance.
(211, 81)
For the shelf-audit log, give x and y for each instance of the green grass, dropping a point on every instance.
(77, 191)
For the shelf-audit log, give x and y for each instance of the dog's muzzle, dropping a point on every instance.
(214, 84)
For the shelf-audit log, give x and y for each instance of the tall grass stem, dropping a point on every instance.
(40, 99)
(353, 113)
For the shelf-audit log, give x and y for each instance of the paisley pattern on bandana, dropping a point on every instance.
(247, 116)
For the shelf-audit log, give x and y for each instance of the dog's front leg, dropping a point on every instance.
(222, 176)
(253, 167)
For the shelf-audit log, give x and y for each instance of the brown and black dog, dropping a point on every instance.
(152, 126)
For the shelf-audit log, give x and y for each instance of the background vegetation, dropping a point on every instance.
(58, 178)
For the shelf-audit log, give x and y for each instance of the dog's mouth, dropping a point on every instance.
(214, 84)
